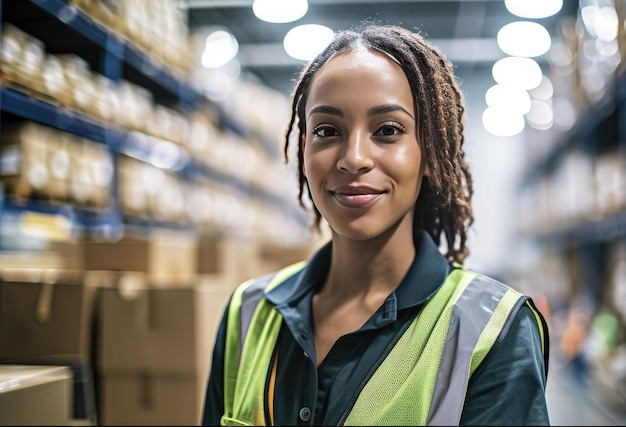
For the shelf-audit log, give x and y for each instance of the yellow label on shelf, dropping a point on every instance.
(45, 226)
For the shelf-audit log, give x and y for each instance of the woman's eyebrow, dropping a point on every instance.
(326, 109)
(386, 108)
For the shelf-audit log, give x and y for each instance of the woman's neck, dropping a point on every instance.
(363, 267)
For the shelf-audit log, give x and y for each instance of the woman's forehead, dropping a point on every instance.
(358, 72)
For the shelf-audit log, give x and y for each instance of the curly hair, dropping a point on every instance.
(444, 202)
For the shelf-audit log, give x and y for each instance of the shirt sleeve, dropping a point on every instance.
(214, 396)
(508, 388)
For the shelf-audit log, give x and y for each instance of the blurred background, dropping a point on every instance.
(142, 178)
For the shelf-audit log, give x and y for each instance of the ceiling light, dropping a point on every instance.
(524, 38)
(533, 8)
(304, 42)
(220, 47)
(600, 22)
(564, 113)
(544, 91)
(561, 55)
(508, 97)
(540, 115)
(502, 123)
(280, 11)
(517, 71)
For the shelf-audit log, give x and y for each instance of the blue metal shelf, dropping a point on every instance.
(64, 119)
(160, 74)
(75, 19)
(589, 232)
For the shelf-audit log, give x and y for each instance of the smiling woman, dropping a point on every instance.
(362, 160)
(382, 325)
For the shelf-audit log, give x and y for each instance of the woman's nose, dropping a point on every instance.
(356, 156)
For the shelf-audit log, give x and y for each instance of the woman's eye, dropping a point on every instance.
(325, 131)
(390, 129)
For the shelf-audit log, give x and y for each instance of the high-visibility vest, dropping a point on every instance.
(422, 381)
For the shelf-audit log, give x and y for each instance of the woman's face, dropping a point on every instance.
(362, 159)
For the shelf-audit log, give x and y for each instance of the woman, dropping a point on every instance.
(380, 326)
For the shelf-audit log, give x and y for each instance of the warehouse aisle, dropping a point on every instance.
(577, 403)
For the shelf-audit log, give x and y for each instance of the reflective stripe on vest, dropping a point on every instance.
(432, 362)
(434, 359)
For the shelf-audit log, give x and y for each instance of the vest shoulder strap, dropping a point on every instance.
(244, 306)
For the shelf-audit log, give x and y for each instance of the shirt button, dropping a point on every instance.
(305, 414)
(306, 355)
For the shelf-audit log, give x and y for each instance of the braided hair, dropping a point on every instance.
(444, 202)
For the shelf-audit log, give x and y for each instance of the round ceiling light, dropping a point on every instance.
(304, 42)
(524, 38)
(219, 48)
(517, 71)
(502, 123)
(280, 11)
(533, 9)
(508, 97)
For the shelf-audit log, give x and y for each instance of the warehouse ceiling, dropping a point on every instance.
(464, 30)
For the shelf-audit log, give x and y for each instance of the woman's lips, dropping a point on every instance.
(356, 197)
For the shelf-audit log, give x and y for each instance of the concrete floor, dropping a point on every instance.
(578, 401)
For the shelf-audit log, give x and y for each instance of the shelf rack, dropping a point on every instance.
(64, 28)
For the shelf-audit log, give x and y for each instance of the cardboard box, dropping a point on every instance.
(45, 313)
(83, 387)
(167, 258)
(272, 256)
(161, 330)
(142, 398)
(226, 261)
(35, 395)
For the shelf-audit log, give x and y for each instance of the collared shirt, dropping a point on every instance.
(508, 388)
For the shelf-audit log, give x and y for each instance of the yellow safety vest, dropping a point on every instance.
(422, 381)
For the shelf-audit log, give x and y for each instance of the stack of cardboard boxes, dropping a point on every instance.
(133, 320)
(46, 318)
(155, 351)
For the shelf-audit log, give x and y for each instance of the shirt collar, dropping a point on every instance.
(427, 273)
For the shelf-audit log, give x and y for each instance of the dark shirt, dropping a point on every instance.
(508, 388)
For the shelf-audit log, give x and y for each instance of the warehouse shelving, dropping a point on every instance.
(600, 127)
(66, 29)
(574, 224)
